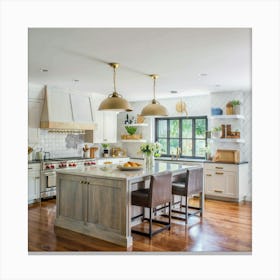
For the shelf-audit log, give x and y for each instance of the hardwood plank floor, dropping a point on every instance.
(225, 227)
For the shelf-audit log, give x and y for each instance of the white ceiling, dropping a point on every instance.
(177, 55)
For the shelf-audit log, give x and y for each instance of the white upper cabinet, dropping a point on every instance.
(81, 107)
(34, 115)
(105, 123)
(110, 127)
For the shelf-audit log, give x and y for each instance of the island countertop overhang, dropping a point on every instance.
(114, 173)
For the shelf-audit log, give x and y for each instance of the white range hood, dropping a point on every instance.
(63, 111)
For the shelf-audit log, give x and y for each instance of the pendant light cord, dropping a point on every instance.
(114, 79)
(154, 88)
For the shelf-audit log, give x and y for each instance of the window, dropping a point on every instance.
(187, 133)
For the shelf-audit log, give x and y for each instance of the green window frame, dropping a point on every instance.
(187, 133)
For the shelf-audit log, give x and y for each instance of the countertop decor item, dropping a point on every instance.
(229, 108)
(216, 111)
(154, 109)
(150, 151)
(236, 106)
(114, 101)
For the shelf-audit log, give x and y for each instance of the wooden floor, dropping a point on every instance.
(225, 227)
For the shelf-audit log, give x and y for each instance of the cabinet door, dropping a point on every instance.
(105, 204)
(34, 117)
(220, 183)
(55, 100)
(33, 186)
(214, 185)
(110, 127)
(70, 191)
(81, 106)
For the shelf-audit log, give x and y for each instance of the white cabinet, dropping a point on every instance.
(105, 123)
(34, 116)
(226, 181)
(33, 182)
(110, 127)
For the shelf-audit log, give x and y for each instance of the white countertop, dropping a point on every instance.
(114, 173)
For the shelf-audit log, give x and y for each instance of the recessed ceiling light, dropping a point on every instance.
(217, 85)
(203, 74)
(173, 91)
(76, 80)
(44, 70)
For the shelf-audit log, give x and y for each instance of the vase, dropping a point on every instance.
(236, 110)
(149, 161)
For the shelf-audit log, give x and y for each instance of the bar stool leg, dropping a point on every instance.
(200, 204)
(150, 224)
(186, 210)
(169, 215)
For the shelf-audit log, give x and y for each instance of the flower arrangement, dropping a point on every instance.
(153, 149)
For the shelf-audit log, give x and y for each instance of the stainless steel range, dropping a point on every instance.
(49, 168)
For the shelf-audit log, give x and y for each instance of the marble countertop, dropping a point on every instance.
(189, 160)
(113, 172)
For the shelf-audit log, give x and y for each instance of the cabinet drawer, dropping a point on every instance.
(221, 167)
(220, 183)
(34, 167)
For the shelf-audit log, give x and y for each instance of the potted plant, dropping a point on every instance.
(105, 147)
(217, 132)
(236, 106)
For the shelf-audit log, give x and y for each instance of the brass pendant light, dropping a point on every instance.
(154, 109)
(114, 101)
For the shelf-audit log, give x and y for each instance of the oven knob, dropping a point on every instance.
(74, 164)
(93, 163)
(52, 166)
(47, 166)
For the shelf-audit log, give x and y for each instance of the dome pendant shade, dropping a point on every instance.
(115, 102)
(154, 109)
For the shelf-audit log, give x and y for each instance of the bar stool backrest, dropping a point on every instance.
(194, 180)
(160, 189)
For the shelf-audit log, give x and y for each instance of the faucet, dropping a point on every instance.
(178, 152)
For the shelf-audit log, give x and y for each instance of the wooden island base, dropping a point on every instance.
(97, 203)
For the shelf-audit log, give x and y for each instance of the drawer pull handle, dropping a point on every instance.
(219, 191)
(208, 174)
(30, 168)
(219, 173)
(218, 167)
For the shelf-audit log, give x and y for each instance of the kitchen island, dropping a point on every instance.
(96, 201)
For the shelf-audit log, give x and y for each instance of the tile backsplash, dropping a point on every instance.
(61, 144)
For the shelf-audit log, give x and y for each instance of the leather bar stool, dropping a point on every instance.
(190, 184)
(159, 193)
